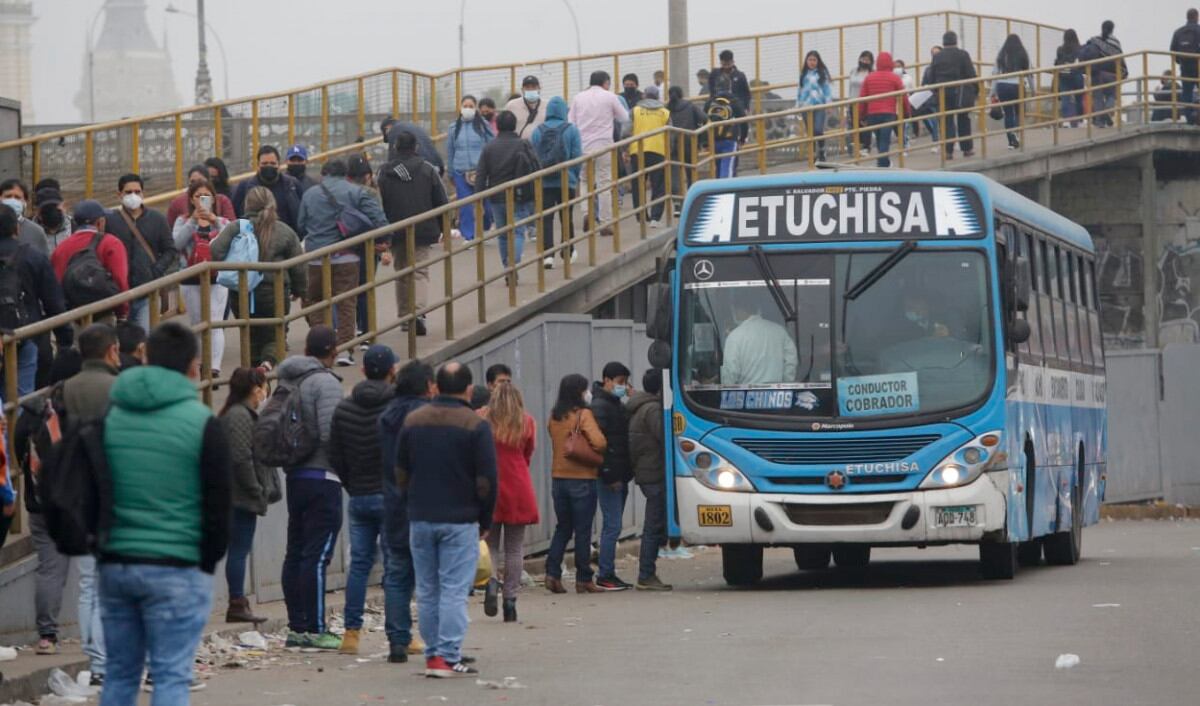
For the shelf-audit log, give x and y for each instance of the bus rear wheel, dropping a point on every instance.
(811, 558)
(742, 564)
(852, 556)
(1064, 548)
(998, 560)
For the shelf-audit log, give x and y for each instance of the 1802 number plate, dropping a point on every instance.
(715, 515)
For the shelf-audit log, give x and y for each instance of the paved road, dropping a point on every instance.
(918, 627)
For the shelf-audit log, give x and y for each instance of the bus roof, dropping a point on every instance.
(995, 195)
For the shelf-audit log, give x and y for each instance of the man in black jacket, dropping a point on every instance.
(954, 64)
(410, 186)
(608, 406)
(1186, 40)
(283, 186)
(504, 159)
(146, 236)
(728, 79)
(354, 451)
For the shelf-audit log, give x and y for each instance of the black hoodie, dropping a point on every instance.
(410, 186)
(354, 448)
(614, 423)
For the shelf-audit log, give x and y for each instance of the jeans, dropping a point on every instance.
(50, 578)
(241, 540)
(500, 213)
(314, 518)
(654, 528)
(466, 214)
(817, 118)
(612, 514)
(27, 366)
(139, 312)
(656, 180)
(883, 137)
(1071, 106)
(366, 522)
(159, 612)
(1012, 117)
(574, 510)
(444, 559)
(958, 125)
(398, 581)
(345, 278)
(513, 539)
(218, 299)
(551, 197)
(726, 166)
(91, 625)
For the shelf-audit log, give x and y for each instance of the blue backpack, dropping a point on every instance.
(244, 248)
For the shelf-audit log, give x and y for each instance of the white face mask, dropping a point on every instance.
(468, 114)
(898, 71)
(587, 397)
(17, 205)
(132, 201)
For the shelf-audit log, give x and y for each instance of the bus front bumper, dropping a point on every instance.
(918, 517)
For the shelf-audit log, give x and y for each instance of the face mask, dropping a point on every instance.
(17, 205)
(898, 71)
(587, 397)
(619, 391)
(132, 201)
(533, 96)
(468, 114)
(863, 66)
(487, 116)
(268, 174)
(52, 217)
(297, 170)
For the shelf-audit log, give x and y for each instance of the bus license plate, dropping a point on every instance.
(957, 516)
(715, 515)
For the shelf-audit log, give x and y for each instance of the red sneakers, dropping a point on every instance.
(439, 668)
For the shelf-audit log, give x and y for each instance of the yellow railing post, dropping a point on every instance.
(512, 79)
(480, 262)
(416, 110)
(281, 308)
(565, 217)
(540, 233)
(1037, 33)
(757, 58)
(760, 129)
(616, 200)
(878, 38)
(243, 295)
(901, 129)
(433, 109)
(218, 130)
(917, 44)
(856, 145)
(1089, 99)
(510, 245)
(371, 263)
(1146, 90)
(1118, 100)
(593, 209)
(362, 108)
(448, 272)
(324, 119)
(11, 390)
(36, 158)
(639, 183)
(410, 285)
(982, 107)
(154, 302)
(135, 147)
(291, 118)
(89, 163)
(458, 89)
(395, 94)
(566, 80)
(327, 289)
(668, 183)
(712, 56)
(1056, 108)
(946, 144)
(800, 52)
(206, 313)
(254, 131)
(842, 58)
(179, 166)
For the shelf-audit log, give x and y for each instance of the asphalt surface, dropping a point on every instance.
(916, 627)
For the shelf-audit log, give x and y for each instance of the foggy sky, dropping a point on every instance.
(276, 44)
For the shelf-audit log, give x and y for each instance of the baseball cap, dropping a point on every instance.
(530, 80)
(88, 210)
(378, 361)
(47, 195)
(321, 342)
(297, 151)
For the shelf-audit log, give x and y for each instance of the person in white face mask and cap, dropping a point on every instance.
(147, 239)
(15, 195)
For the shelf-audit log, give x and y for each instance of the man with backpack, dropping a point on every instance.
(726, 136)
(1105, 74)
(91, 265)
(146, 236)
(948, 65)
(728, 80)
(556, 141)
(409, 186)
(649, 115)
(332, 211)
(1186, 40)
(293, 431)
(504, 159)
(599, 115)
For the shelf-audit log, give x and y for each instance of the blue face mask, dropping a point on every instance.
(619, 391)
(532, 96)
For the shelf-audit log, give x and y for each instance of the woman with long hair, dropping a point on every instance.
(193, 235)
(866, 64)
(1070, 78)
(1007, 90)
(816, 89)
(218, 174)
(465, 140)
(255, 486)
(276, 242)
(573, 483)
(516, 503)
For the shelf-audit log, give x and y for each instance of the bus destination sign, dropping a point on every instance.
(834, 213)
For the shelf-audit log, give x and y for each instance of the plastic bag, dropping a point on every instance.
(483, 570)
(62, 685)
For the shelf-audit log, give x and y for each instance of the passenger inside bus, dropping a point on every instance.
(758, 351)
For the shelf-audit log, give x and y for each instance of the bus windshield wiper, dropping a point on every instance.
(773, 286)
(877, 272)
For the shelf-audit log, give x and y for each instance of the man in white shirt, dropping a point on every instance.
(758, 351)
(598, 112)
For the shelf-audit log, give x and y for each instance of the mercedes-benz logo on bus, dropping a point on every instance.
(704, 270)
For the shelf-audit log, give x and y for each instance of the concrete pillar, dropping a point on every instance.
(677, 33)
(1151, 249)
(1043, 191)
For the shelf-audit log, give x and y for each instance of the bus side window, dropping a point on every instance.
(1094, 317)
(1034, 346)
(1066, 292)
(1085, 337)
(1045, 303)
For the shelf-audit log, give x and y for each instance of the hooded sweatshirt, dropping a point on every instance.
(882, 80)
(320, 393)
(572, 141)
(170, 469)
(649, 115)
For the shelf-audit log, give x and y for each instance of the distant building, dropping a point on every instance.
(132, 74)
(16, 16)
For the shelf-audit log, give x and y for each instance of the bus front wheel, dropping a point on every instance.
(742, 564)
(811, 558)
(998, 560)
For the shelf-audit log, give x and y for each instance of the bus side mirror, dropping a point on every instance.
(1019, 331)
(659, 355)
(658, 312)
(1022, 284)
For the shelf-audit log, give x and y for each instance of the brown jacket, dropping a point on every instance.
(563, 467)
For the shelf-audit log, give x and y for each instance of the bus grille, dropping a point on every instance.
(878, 479)
(815, 452)
(841, 514)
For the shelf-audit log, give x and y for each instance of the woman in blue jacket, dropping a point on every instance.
(556, 141)
(815, 90)
(468, 135)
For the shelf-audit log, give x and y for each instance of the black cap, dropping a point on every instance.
(378, 361)
(321, 342)
(47, 195)
(530, 80)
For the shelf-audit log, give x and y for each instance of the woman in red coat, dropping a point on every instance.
(516, 504)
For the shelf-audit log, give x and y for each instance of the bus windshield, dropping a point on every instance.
(915, 341)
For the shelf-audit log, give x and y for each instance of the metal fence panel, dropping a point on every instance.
(1133, 427)
(1178, 416)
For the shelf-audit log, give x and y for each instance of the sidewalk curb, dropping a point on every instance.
(1153, 511)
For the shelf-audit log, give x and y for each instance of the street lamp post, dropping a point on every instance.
(203, 79)
(172, 10)
(91, 57)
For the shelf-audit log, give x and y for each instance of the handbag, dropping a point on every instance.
(578, 449)
(996, 112)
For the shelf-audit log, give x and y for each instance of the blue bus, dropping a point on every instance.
(864, 359)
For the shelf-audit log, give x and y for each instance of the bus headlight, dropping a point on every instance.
(966, 463)
(712, 470)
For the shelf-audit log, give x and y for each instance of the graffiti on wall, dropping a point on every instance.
(1179, 282)
(1119, 269)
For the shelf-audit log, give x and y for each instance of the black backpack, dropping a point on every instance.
(527, 163)
(13, 312)
(86, 279)
(37, 431)
(281, 438)
(551, 147)
(75, 489)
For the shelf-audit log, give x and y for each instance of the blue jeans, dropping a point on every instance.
(612, 513)
(1071, 106)
(139, 313)
(444, 557)
(1006, 92)
(726, 166)
(366, 522)
(466, 214)
(883, 137)
(654, 529)
(398, 583)
(241, 540)
(159, 612)
(27, 365)
(500, 214)
(91, 626)
(574, 510)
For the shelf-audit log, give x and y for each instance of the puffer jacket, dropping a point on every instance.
(883, 80)
(255, 485)
(646, 437)
(319, 396)
(614, 424)
(354, 447)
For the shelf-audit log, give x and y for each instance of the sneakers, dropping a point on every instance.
(349, 644)
(97, 680)
(297, 639)
(574, 256)
(612, 583)
(148, 684)
(548, 262)
(654, 583)
(325, 641)
(345, 360)
(679, 552)
(47, 646)
(439, 668)
(490, 595)
(421, 328)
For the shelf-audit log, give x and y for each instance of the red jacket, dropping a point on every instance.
(516, 502)
(179, 207)
(882, 80)
(110, 251)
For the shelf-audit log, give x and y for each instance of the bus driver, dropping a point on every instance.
(758, 351)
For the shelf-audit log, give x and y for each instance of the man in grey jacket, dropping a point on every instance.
(314, 494)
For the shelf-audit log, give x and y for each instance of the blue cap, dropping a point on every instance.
(88, 210)
(379, 361)
(297, 151)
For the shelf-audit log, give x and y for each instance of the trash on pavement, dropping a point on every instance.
(7, 654)
(1066, 661)
(508, 683)
(253, 639)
